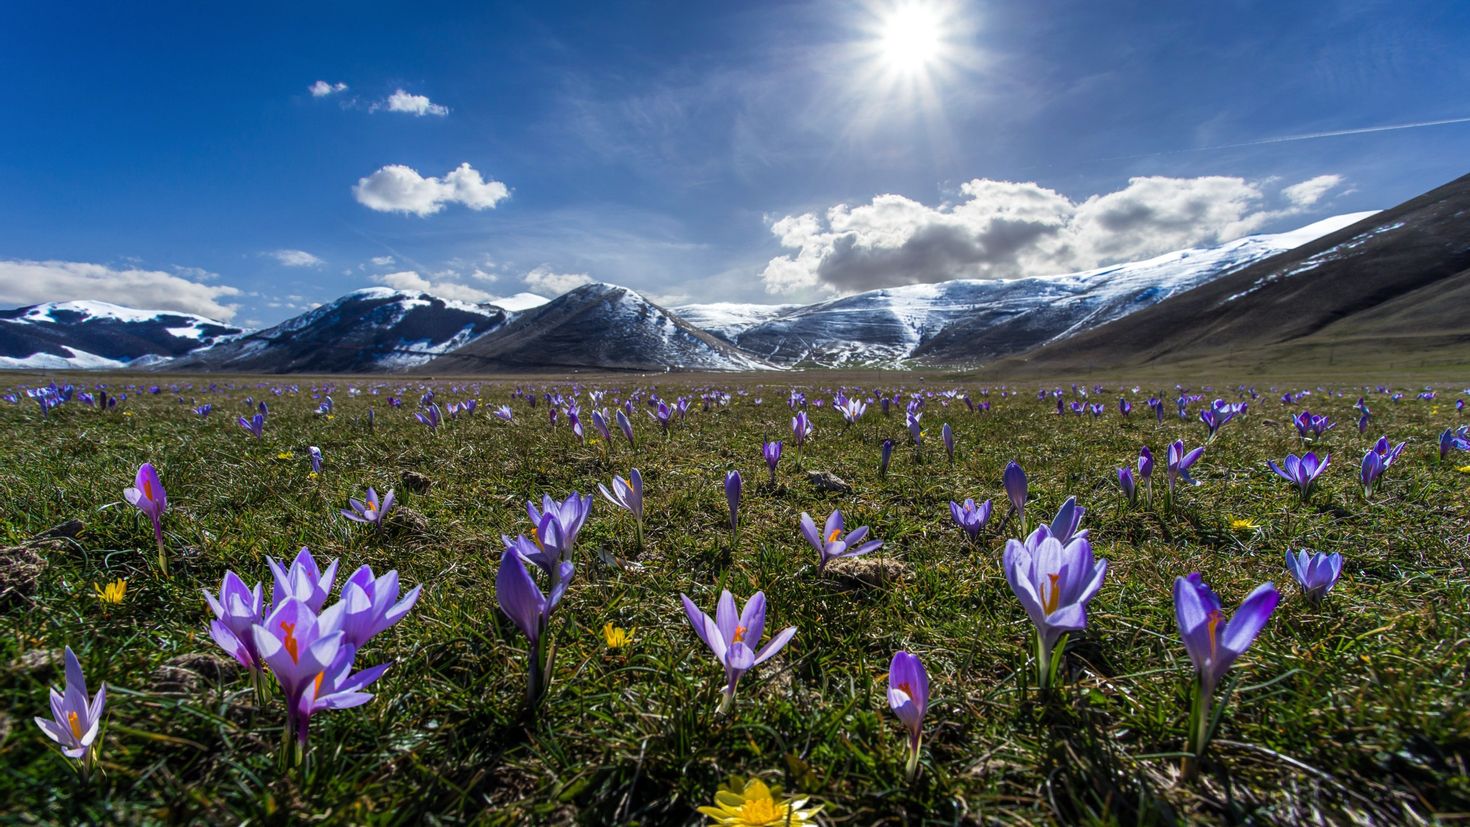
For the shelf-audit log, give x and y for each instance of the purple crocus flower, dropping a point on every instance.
(371, 604)
(1015, 483)
(530, 610)
(315, 455)
(599, 422)
(1456, 440)
(970, 517)
(370, 510)
(832, 543)
(1214, 641)
(947, 433)
(885, 454)
(430, 416)
(733, 635)
(1315, 572)
(771, 451)
(1301, 472)
(627, 494)
(627, 428)
(558, 523)
(298, 645)
(1127, 485)
(147, 495)
(916, 430)
(76, 717)
(304, 580)
(255, 425)
(204, 410)
(1054, 580)
(236, 609)
(1124, 406)
(1179, 465)
(1146, 471)
(801, 431)
(504, 413)
(732, 497)
(908, 697)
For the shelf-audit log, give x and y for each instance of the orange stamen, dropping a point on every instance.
(290, 641)
(836, 532)
(1055, 597)
(1214, 623)
(739, 634)
(316, 686)
(148, 489)
(76, 725)
(536, 538)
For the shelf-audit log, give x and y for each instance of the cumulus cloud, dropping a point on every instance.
(295, 258)
(1001, 229)
(33, 282)
(410, 280)
(399, 188)
(321, 89)
(552, 284)
(416, 105)
(382, 261)
(1310, 191)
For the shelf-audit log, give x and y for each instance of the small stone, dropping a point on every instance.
(867, 571)
(193, 671)
(828, 481)
(416, 482)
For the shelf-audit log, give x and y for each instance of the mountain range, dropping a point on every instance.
(1348, 286)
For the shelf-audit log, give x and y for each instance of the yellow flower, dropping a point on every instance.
(285, 455)
(616, 636)
(311, 475)
(127, 413)
(1464, 469)
(1243, 524)
(751, 804)
(113, 592)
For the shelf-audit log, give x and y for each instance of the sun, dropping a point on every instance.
(911, 38)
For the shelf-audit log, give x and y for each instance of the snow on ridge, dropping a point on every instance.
(91, 309)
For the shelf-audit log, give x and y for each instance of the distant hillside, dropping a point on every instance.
(1390, 289)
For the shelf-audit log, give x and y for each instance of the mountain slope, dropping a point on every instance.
(596, 326)
(376, 329)
(1382, 289)
(728, 320)
(964, 321)
(94, 334)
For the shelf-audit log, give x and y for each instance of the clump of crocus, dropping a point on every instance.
(833, 543)
(627, 494)
(732, 636)
(76, 717)
(556, 524)
(1316, 572)
(148, 496)
(370, 510)
(970, 517)
(236, 610)
(530, 609)
(371, 604)
(732, 498)
(908, 697)
(430, 417)
(1301, 472)
(1180, 461)
(1217, 415)
(1377, 460)
(255, 425)
(1054, 575)
(1213, 642)
(1454, 440)
(1015, 484)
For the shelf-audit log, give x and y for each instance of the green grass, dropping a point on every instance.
(1356, 710)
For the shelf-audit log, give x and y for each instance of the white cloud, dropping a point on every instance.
(409, 280)
(321, 88)
(382, 261)
(295, 258)
(417, 105)
(1001, 229)
(1310, 191)
(32, 282)
(398, 188)
(542, 280)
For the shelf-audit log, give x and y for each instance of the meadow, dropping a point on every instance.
(1353, 709)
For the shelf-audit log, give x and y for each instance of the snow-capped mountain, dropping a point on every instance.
(972, 320)
(728, 320)
(95, 335)
(375, 329)
(597, 327)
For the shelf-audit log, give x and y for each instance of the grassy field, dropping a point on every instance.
(1354, 710)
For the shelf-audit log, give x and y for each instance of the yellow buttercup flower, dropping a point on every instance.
(1243, 524)
(1464, 469)
(285, 455)
(113, 592)
(751, 803)
(616, 636)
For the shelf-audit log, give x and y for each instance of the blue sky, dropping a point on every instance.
(173, 154)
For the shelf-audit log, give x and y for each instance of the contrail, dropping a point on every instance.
(1306, 136)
